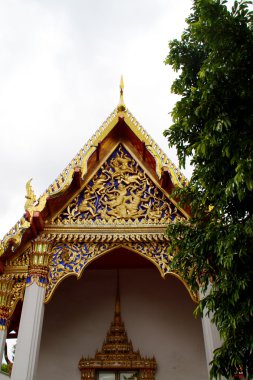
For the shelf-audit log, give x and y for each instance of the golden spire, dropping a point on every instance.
(121, 107)
(117, 312)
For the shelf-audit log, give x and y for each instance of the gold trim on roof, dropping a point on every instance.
(32, 205)
(81, 159)
(14, 235)
(160, 157)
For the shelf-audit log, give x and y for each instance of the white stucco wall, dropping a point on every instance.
(157, 315)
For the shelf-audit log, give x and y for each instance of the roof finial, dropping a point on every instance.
(121, 107)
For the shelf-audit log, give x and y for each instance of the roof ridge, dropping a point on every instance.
(164, 158)
(62, 181)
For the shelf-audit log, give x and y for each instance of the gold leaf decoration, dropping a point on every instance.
(122, 193)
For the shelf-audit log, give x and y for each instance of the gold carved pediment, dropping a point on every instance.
(120, 193)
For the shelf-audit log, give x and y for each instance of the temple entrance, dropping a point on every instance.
(117, 359)
(157, 313)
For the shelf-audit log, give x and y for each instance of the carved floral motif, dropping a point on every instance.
(20, 261)
(17, 293)
(70, 259)
(120, 192)
(11, 291)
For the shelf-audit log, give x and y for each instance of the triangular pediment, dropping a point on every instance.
(66, 201)
(120, 192)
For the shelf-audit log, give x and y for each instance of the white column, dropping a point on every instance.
(28, 343)
(211, 338)
(3, 334)
(6, 287)
(211, 335)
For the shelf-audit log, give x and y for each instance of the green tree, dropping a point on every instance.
(213, 126)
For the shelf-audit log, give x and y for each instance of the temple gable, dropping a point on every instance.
(119, 193)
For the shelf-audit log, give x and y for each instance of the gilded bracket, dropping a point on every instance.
(39, 263)
(11, 291)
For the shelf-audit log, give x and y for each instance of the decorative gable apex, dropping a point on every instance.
(120, 192)
(75, 175)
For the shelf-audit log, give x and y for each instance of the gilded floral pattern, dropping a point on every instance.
(121, 193)
(70, 259)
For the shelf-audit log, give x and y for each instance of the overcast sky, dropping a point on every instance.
(60, 67)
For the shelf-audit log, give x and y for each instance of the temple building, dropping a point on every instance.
(102, 222)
